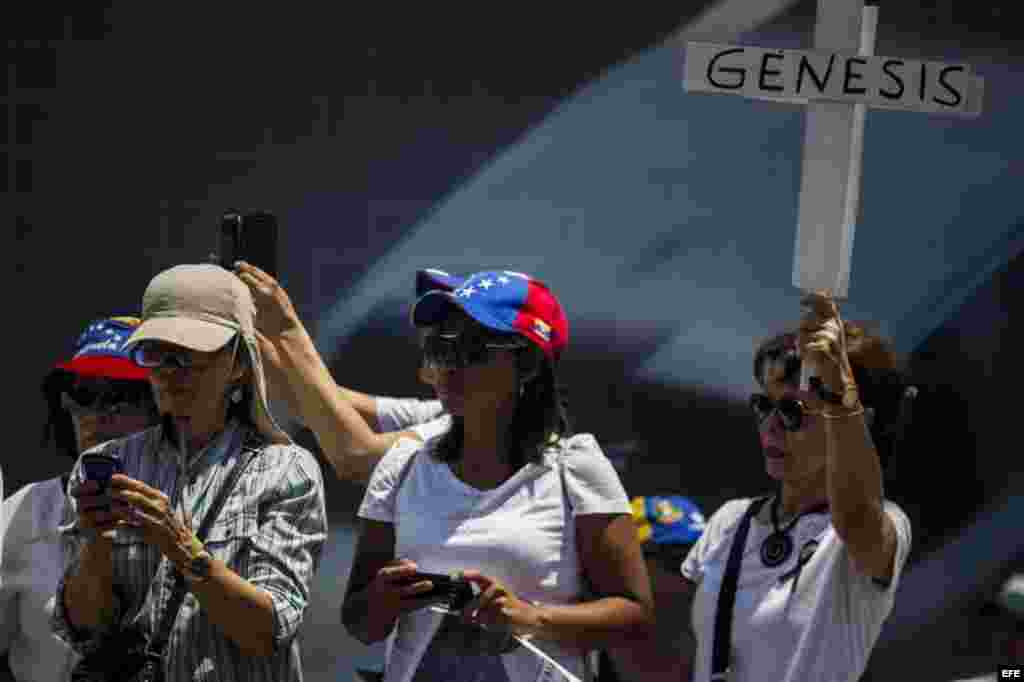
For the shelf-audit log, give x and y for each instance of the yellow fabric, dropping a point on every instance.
(643, 525)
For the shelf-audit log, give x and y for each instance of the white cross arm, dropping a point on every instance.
(803, 76)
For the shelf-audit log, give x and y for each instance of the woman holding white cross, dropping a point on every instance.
(795, 587)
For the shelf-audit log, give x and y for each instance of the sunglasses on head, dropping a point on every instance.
(791, 411)
(467, 348)
(107, 396)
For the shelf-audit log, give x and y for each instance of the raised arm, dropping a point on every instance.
(340, 418)
(853, 469)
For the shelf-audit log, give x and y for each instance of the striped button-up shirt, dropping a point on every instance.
(270, 531)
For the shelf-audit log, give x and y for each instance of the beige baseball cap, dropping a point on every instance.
(203, 307)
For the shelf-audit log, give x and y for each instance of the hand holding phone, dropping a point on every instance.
(451, 590)
(99, 467)
(248, 236)
(93, 491)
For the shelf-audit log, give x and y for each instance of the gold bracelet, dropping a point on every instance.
(843, 415)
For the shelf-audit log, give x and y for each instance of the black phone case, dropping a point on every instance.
(250, 236)
(99, 463)
(453, 592)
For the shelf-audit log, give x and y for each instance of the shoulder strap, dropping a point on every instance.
(251, 447)
(727, 595)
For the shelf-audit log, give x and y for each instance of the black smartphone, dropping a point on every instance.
(250, 236)
(450, 590)
(99, 467)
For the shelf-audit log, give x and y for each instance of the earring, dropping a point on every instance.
(236, 395)
(522, 388)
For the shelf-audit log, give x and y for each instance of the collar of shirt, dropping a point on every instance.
(211, 453)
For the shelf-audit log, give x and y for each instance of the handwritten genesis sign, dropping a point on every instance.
(801, 76)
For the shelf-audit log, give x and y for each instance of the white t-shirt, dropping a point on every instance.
(821, 630)
(32, 565)
(426, 418)
(519, 533)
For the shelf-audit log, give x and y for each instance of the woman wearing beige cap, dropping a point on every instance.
(195, 556)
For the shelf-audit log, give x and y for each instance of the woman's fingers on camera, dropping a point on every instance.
(412, 590)
(488, 589)
(397, 572)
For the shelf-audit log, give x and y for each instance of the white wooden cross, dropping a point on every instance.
(836, 81)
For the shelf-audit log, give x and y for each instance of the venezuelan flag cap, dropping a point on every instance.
(667, 520)
(100, 350)
(504, 301)
(432, 279)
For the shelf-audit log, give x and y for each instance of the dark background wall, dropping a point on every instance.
(558, 145)
(961, 484)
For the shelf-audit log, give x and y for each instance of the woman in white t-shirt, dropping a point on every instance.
(506, 497)
(97, 395)
(354, 429)
(823, 556)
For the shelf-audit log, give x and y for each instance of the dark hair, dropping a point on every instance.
(881, 383)
(58, 426)
(541, 415)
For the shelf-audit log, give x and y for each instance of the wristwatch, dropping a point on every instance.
(197, 569)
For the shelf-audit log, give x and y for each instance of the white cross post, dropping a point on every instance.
(837, 81)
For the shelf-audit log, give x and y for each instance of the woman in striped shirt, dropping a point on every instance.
(248, 580)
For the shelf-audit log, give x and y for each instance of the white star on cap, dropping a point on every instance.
(503, 279)
(486, 283)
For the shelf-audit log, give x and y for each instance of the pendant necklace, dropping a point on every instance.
(778, 546)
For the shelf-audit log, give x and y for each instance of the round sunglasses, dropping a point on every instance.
(107, 396)
(790, 410)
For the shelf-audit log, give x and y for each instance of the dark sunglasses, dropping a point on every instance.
(466, 349)
(108, 396)
(791, 411)
(148, 355)
(153, 356)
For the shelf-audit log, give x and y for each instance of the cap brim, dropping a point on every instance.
(106, 366)
(431, 280)
(187, 332)
(433, 307)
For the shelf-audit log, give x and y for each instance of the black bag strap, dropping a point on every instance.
(727, 595)
(251, 447)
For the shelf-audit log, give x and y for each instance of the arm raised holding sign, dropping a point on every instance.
(826, 545)
(853, 469)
